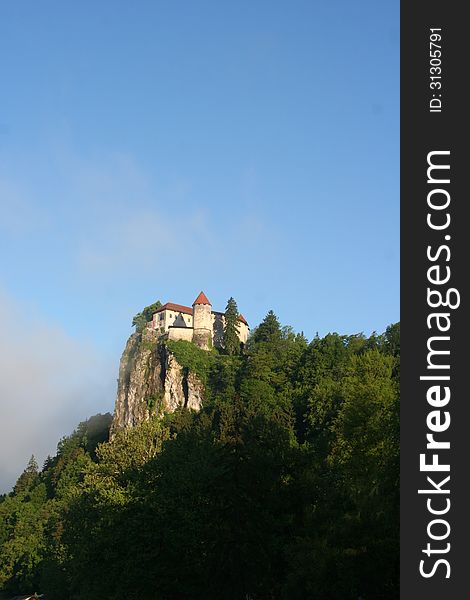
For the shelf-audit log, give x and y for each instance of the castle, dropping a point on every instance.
(199, 324)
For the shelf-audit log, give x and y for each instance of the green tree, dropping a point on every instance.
(28, 478)
(231, 329)
(141, 319)
(284, 485)
(22, 520)
(354, 436)
(269, 330)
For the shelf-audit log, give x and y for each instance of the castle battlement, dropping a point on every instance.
(198, 324)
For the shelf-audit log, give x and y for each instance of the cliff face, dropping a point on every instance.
(152, 381)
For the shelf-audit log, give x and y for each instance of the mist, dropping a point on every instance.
(49, 382)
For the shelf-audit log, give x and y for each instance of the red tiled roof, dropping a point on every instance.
(176, 307)
(242, 319)
(202, 299)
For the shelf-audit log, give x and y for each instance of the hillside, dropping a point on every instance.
(270, 473)
(152, 381)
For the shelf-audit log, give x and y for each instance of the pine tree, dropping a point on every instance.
(28, 478)
(231, 339)
(269, 330)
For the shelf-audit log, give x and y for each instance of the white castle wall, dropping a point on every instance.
(243, 332)
(204, 327)
(181, 333)
(202, 316)
(170, 318)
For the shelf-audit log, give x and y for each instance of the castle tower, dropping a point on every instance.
(202, 321)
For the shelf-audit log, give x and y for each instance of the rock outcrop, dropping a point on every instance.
(151, 381)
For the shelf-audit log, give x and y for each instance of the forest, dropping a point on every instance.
(284, 486)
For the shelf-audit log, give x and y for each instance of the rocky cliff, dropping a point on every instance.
(151, 381)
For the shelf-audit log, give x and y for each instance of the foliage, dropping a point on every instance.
(141, 319)
(154, 403)
(231, 328)
(28, 478)
(285, 484)
(191, 357)
(269, 329)
(31, 516)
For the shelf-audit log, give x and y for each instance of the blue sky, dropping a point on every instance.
(149, 150)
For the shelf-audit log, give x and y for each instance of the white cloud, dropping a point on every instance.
(107, 217)
(127, 220)
(141, 241)
(49, 382)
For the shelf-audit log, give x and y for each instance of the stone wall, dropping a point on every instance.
(202, 322)
(202, 338)
(218, 329)
(202, 316)
(180, 333)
